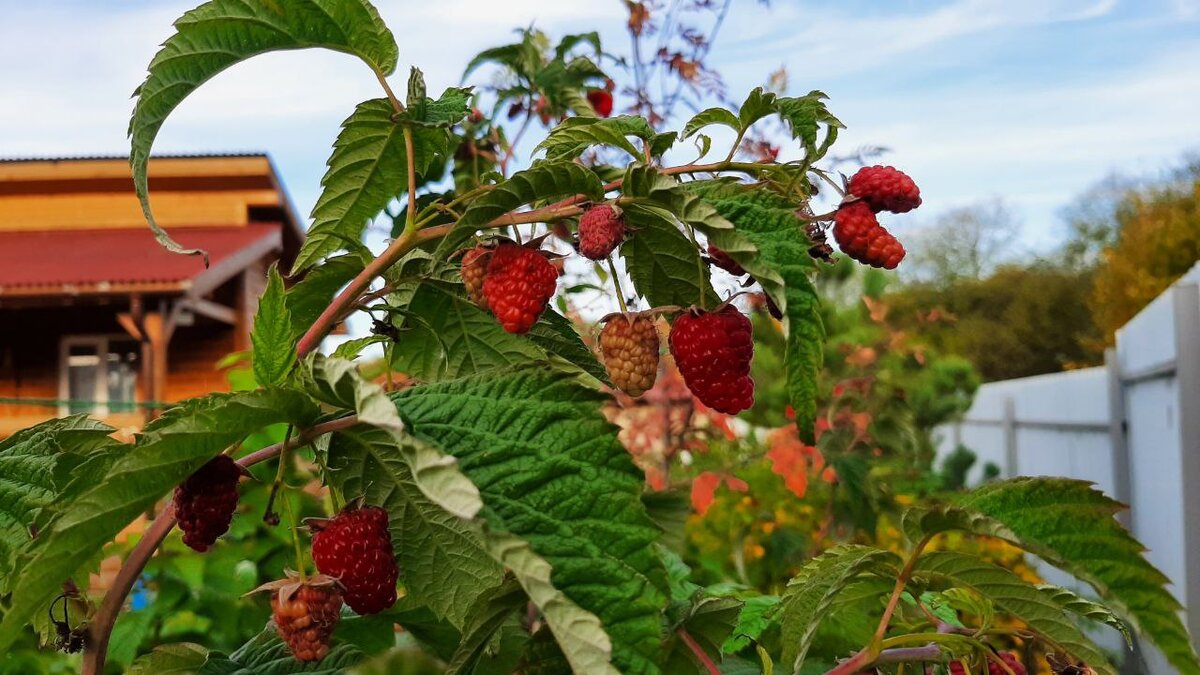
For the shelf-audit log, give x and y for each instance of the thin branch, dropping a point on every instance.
(898, 590)
(387, 88)
(859, 662)
(101, 625)
(336, 311)
(410, 223)
(701, 655)
(869, 654)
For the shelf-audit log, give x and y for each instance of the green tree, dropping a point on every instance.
(1155, 240)
(1017, 322)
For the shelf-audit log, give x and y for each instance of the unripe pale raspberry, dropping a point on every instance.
(518, 285)
(860, 236)
(629, 348)
(305, 613)
(885, 188)
(602, 101)
(601, 230)
(721, 259)
(474, 267)
(713, 352)
(355, 548)
(206, 501)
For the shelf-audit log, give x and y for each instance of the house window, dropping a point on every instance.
(99, 375)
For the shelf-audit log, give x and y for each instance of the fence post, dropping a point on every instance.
(1118, 431)
(1010, 438)
(1187, 372)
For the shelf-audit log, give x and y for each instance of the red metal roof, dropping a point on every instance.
(94, 259)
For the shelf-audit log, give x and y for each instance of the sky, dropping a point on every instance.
(1030, 101)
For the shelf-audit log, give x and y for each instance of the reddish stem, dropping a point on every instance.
(101, 625)
(701, 655)
(861, 660)
(872, 653)
(348, 298)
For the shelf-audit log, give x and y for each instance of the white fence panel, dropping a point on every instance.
(1131, 426)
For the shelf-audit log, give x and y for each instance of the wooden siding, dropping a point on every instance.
(122, 210)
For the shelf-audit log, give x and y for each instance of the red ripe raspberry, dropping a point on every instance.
(713, 351)
(474, 266)
(518, 285)
(356, 549)
(602, 102)
(721, 259)
(629, 348)
(861, 237)
(205, 502)
(885, 188)
(601, 230)
(305, 613)
(1010, 659)
(542, 108)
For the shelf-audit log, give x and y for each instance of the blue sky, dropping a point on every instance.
(1028, 100)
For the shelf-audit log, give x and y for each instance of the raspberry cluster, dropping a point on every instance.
(518, 285)
(713, 352)
(206, 501)
(629, 349)
(885, 188)
(355, 547)
(856, 228)
(305, 614)
(861, 237)
(601, 230)
(721, 259)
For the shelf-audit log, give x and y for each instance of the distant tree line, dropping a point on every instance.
(969, 291)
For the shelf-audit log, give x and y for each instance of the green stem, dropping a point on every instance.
(387, 88)
(699, 265)
(287, 504)
(410, 223)
(612, 269)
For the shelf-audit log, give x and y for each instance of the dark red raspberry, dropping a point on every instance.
(629, 347)
(305, 613)
(721, 259)
(861, 237)
(602, 102)
(518, 285)
(205, 502)
(1010, 659)
(356, 549)
(542, 108)
(474, 267)
(601, 230)
(713, 351)
(885, 188)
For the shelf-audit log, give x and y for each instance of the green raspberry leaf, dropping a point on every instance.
(368, 168)
(812, 593)
(274, 345)
(552, 472)
(169, 449)
(221, 33)
(1030, 512)
(953, 571)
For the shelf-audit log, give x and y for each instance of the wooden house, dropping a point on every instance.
(95, 316)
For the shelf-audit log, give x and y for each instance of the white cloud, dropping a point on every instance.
(846, 41)
(1036, 143)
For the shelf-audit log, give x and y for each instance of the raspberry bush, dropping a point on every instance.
(487, 484)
